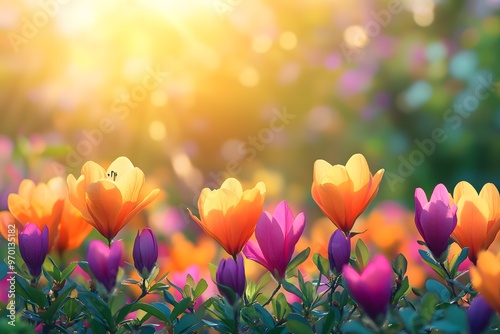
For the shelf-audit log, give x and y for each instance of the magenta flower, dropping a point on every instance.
(104, 261)
(276, 236)
(435, 219)
(145, 252)
(373, 287)
(34, 246)
(230, 278)
(339, 250)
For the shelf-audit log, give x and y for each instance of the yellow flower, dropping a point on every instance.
(41, 204)
(229, 214)
(478, 217)
(109, 199)
(344, 192)
(485, 277)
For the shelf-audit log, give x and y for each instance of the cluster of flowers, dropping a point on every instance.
(109, 199)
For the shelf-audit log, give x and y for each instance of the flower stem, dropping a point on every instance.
(451, 285)
(272, 295)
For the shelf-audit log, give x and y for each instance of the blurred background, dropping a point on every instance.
(196, 91)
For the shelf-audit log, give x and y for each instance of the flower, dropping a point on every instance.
(485, 277)
(41, 204)
(276, 236)
(230, 278)
(478, 217)
(72, 228)
(104, 261)
(372, 288)
(435, 219)
(339, 250)
(145, 252)
(229, 214)
(478, 315)
(34, 246)
(343, 193)
(109, 199)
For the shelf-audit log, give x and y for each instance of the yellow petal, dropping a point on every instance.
(463, 188)
(121, 166)
(92, 172)
(130, 184)
(358, 171)
(233, 185)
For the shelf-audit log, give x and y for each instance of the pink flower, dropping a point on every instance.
(373, 287)
(276, 236)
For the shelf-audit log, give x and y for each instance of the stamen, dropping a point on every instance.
(113, 174)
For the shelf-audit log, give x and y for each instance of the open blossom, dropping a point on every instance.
(435, 219)
(339, 250)
(109, 199)
(229, 214)
(373, 287)
(344, 192)
(478, 217)
(104, 261)
(34, 246)
(485, 277)
(41, 204)
(230, 274)
(145, 252)
(276, 236)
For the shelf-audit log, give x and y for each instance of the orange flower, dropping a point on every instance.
(9, 226)
(41, 204)
(109, 199)
(73, 229)
(478, 217)
(485, 277)
(229, 214)
(344, 192)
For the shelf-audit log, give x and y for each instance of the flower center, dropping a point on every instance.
(113, 175)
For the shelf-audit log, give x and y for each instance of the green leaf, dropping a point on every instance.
(431, 262)
(25, 290)
(200, 288)
(188, 324)
(253, 291)
(329, 322)
(322, 264)
(301, 257)
(292, 288)
(400, 265)
(213, 269)
(298, 324)
(439, 290)
(179, 308)
(98, 307)
(68, 271)
(404, 288)
(355, 327)
(51, 267)
(54, 307)
(72, 309)
(457, 260)
(140, 306)
(85, 267)
(280, 306)
(362, 254)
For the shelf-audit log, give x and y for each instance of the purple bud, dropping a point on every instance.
(435, 219)
(34, 246)
(373, 287)
(104, 261)
(231, 275)
(339, 250)
(479, 315)
(145, 252)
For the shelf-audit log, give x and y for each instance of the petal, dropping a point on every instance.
(253, 252)
(92, 172)
(121, 166)
(358, 171)
(233, 185)
(463, 188)
(148, 199)
(420, 203)
(104, 203)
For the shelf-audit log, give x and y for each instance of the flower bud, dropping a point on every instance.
(230, 277)
(34, 246)
(145, 252)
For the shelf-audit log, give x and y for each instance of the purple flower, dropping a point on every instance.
(276, 238)
(435, 219)
(479, 314)
(339, 250)
(34, 246)
(230, 275)
(145, 252)
(373, 287)
(104, 261)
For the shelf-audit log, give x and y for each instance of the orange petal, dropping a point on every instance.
(463, 188)
(92, 172)
(138, 207)
(104, 202)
